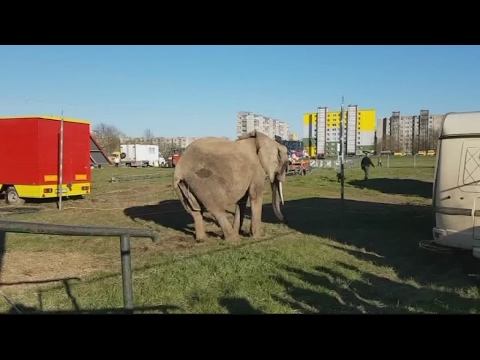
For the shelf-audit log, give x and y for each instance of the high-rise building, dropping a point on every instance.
(248, 122)
(322, 131)
(409, 133)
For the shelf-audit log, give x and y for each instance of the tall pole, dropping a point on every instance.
(413, 136)
(342, 155)
(60, 167)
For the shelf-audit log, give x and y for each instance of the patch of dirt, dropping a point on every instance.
(22, 269)
(7, 210)
(181, 239)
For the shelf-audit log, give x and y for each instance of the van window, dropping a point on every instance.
(469, 174)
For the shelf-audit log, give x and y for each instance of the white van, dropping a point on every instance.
(456, 189)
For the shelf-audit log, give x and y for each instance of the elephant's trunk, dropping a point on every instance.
(277, 196)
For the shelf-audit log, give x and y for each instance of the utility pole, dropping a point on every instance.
(342, 154)
(60, 167)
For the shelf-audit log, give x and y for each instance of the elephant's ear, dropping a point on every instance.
(268, 154)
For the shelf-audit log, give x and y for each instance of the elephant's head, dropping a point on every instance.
(274, 159)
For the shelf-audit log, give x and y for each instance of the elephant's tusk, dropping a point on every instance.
(280, 190)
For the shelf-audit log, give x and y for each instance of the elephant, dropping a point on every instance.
(214, 173)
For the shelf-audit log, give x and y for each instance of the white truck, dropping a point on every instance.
(139, 155)
(162, 161)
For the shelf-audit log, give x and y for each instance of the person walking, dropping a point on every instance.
(365, 164)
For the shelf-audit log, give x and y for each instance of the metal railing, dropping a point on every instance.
(125, 249)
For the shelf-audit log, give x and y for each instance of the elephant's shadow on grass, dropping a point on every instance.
(171, 214)
(409, 187)
(313, 216)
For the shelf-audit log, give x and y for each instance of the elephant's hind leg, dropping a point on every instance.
(240, 209)
(200, 233)
(227, 229)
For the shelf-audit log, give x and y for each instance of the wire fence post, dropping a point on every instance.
(388, 160)
(342, 157)
(127, 281)
(414, 161)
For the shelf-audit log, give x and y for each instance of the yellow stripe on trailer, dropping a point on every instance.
(50, 191)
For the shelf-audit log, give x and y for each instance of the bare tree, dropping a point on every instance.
(148, 135)
(391, 143)
(435, 136)
(109, 137)
(386, 146)
(379, 145)
(395, 144)
(166, 147)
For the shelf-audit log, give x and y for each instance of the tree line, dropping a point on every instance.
(413, 144)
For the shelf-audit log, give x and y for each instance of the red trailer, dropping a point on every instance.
(30, 157)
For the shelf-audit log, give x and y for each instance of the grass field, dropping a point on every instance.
(367, 261)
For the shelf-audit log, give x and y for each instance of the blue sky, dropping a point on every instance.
(198, 90)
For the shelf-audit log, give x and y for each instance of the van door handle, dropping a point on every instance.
(445, 198)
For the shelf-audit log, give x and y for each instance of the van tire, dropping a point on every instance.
(12, 198)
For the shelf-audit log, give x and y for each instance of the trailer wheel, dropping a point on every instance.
(12, 198)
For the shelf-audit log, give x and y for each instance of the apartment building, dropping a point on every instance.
(180, 142)
(322, 131)
(248, 122)
(409, 133)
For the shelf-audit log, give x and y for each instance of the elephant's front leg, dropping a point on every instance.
(256, 220)
(240, 209)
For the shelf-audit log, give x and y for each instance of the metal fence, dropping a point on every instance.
(407, 161)
(389, 161)
(333, 163)
(125, 250)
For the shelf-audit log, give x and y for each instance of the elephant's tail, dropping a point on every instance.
(187, 199)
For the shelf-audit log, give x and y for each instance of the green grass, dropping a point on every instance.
(360, 258)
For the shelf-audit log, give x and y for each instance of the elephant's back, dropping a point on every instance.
(210, 145)
(211, 148)
(216, 154)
